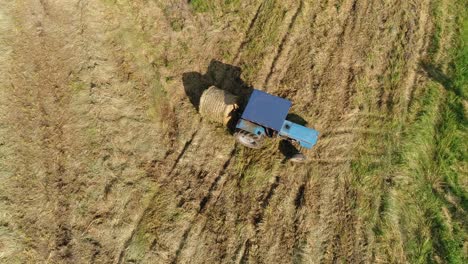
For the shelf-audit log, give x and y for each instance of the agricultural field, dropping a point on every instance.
(104, 157)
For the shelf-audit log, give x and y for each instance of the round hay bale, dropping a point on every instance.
(218, 105)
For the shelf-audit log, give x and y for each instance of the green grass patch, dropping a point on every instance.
(437, 15)
(203, 6)
(421, 190)
(162, 213)
(262, 38)
(415, 199)
(429, 198)
(78, 86)
(459, 67)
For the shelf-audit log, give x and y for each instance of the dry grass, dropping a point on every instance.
(146, 181)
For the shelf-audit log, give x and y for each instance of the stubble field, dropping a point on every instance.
(104, 158)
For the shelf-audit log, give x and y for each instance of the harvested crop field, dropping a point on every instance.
(104, 157)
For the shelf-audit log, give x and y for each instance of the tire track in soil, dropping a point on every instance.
(246, 38)
(329, 53)
(340, 228)
(204, 203)
(286, 227)
(215, 183)
(282, 44)
(51, 101)
(421, 45)
(305, 204)
(144, 213)
(342, 245)
(349, 27)
(52, 112)
(332, 208)
(340, 56)
(244, 252)
(297, 53)
(425, 31)
(291, 237)
(246, 247)
(264, 203)
(55, 39)
(202, 206)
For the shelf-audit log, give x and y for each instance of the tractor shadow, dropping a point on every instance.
(228, 77)
(287, 149)
(223, 76)
(296, 119)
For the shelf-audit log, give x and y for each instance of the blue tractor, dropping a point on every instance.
(264, 115)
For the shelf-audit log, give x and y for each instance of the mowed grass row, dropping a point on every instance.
(262, 37)
(414, 199)
(214, 5)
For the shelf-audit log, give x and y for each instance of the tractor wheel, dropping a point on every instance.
(249, 140)
(298, 157)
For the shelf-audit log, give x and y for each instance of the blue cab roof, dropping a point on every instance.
(266, 110)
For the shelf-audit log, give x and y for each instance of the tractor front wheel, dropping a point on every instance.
(249, 140)
(298, 157)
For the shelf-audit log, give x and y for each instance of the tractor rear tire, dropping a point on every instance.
(249, 140)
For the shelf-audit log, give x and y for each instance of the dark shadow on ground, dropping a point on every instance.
(223, 76)
(436, 74)
(287, 149)
(296, 119)
(194, 84)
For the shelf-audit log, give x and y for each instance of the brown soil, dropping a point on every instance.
(105, 159)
